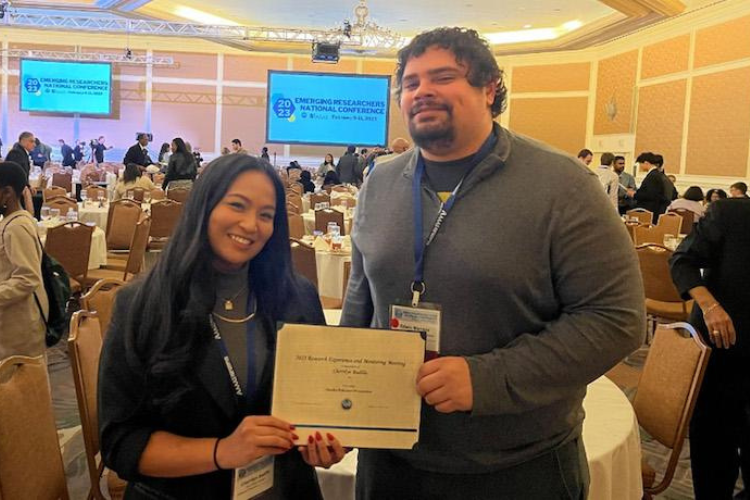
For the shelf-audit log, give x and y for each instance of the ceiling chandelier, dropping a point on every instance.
(363, 34)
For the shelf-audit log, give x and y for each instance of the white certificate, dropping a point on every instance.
(357, 384)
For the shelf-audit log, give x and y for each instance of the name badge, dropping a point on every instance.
(425, 318)
(253, 479)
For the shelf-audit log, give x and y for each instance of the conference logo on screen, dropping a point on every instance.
(33, 86)
(284, 108)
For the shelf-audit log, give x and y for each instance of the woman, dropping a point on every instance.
(132, 178)
(172, 419)
(23, 300)
(715, 195)
(331, 179)
(326, 166)
(692, 200)
(305, 178)
(164, 153)
(181, 171)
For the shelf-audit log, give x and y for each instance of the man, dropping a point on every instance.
(138, 152)
(585, 156)
(237, 147)
(627, 187)
(738, 190)
(40, 154)
(528, 316)
(609, 180)
(99, 148)
(79, 151)
(652, 195)
(68, 159)
(346, 168)
(710, 267)
(264, 154)
(19, 154)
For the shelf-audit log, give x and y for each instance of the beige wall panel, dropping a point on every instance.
(667, 57)
(615, 83)
(251, 68)
(719, 121)
(187, 111)
(722, 43)
(188, 65)
(552, 78)
(244, 117)
(661, 113)
(345, 65)
(558, 121)
(379, 67)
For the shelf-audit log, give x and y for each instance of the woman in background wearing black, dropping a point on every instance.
(181, 170)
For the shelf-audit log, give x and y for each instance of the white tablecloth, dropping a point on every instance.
(331, 272)
(92, 213)
(309, 220)
(98, 255)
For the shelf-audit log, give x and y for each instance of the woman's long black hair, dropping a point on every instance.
(170, 308)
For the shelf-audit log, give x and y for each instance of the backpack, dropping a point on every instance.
(57, 286)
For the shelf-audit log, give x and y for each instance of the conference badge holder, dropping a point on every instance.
(425, 317)
(253, 479)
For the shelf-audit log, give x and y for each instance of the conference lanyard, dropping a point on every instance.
(418, 287)
(250, 382)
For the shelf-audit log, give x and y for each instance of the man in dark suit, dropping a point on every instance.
(21, 150)
(652, 193)
(720, 428)
(68, 160)
(347, 166)
(138, 153)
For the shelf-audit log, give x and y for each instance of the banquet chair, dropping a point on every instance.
(95, 193)
(296, 226)
(121, 221)
(53, 192)
(296, 187)
(70, 245)
(64, 204)
(643, 215)
(630, 226)
(671, 222)
(291, 208)
(344, 201)
(305, 263)
(341, 189)
(347, 275)
(133, 265)
(84, 349)
(649, 233)
(138, 194)
(101, 299)
(323, 217)
(31, 464)
(667, 392)
(164, 217)
(294, 197)
(158, 194)
(178, 194)
(662, 298)
(688, 219)
(316, 198)
(64, 181)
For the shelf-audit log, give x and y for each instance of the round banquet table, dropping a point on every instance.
(98, 255)
(309, 219)
(100, 215)
(330, 267)
(610, 434)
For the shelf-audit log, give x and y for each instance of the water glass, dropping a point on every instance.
(84, 197)
(45, 213)
(54, 214)
(334, 229)
(71, 216)
(147, 197)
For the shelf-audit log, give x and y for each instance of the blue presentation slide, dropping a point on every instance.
(327, 109)
(66, 87)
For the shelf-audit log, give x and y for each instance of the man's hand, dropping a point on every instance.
(445, 383)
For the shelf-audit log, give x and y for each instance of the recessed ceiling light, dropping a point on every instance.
(526, 26)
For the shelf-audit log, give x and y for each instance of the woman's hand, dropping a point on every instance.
(254, 438)
(322, 452)
(720, 327)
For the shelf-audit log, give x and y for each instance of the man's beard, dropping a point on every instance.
(438, 135)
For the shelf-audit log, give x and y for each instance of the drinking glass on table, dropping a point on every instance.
(44, 213)
(71, 216)
(147, 197)
(54, 214)
(84, 197)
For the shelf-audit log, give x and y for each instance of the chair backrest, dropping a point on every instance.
(341, 189)
(63, 204)
(688, 219)
(296, 226)
(158, 194)
(344, 201)
(96, 192)
(630, 226)
(178, 194)
(123, 216)
(297, 188)
(671, 222)
(164, 217)
(648, 233)
(303, 259)
(316, 198)
(101, 300)
(70, 245)
(347, 274)
(53, 192)
(657, 280)
(30, 462)
(84, 348)
(291, 208)
(138, 247)
(323, 217)
(643, 215)
(294, 197)
(65, 181)
(158, 179)
(138, 193)
(669, 387)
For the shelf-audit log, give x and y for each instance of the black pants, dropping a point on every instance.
(720, 428)
(559, 474)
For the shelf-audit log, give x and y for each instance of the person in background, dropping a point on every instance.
(627, 187)
(264, 154)
(225, 151)
(23, 300)
(132, 178)
(715, 194)
(20, 155)
(38, 154)
(175, 415)
(692, 200)
(181, 170)
(585, 156)
(164, 153)
(326, 166)
(652, 195)
(711, 267)
(331, 179)
(305, 178)
(100, 148)
(138, 153)
(609, 180)
(79, 151)
(68, 158)
(347, 166)
(1, 147)
(738, 190)
(237, 148)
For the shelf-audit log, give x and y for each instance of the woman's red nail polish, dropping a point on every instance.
(318, 436)
(295, 437)
(291, 427)
(330, 436)
(310, 439)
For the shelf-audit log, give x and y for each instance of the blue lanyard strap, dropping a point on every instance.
(418, 286)
(250, 382)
